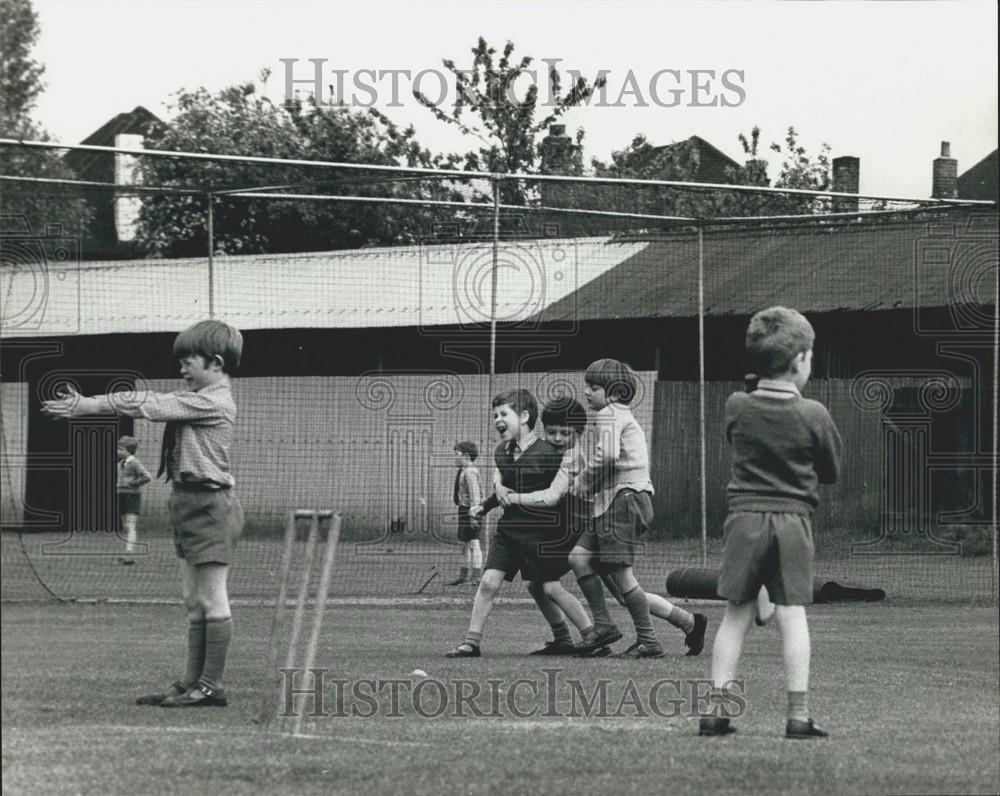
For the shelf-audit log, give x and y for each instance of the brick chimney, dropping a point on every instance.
(560, 155)
(846, 179)
(944, 184)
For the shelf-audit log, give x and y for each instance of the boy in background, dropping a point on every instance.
(783, 446)
(204, 511)
(132, 477)
(466, 493)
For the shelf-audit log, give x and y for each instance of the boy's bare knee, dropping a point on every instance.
(489, 584)
(552, 588)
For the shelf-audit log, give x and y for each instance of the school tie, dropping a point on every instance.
(454, 492)
(167, 448)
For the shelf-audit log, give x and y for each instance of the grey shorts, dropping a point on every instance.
(615, 536)
(207, 524)
(772, 549)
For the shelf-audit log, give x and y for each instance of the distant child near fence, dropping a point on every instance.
(468, 492)
(132, 477)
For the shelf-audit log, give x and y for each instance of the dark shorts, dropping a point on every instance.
(466, 530)
(616, 536)
(207, 524)
(531, 557)
(772, 549)
(129, 503)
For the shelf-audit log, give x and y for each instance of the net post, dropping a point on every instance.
(701, 396)
(211, 255)
(493, 278)
(333, 536)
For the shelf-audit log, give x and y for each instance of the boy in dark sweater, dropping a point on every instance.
(783, 446)
(524, 463)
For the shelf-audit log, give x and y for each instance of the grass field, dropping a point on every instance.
(910, 694)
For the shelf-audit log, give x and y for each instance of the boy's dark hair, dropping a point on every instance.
(565, 412)
(470, 449)
(775, 337)
(520, 401)
(131, 444)
(616, 378)
(210, 339)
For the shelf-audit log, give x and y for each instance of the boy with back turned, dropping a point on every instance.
(783, 446)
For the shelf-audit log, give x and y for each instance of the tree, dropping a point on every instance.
(508, 124)
(240, 120)
(36, 207)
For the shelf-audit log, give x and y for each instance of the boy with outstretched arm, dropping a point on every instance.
(617, 474)
(783, 446)
(524, 463)
(205, 513)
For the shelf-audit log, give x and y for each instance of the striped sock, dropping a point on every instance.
(472, 638)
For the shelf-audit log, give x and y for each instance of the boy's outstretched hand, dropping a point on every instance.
(69, 404)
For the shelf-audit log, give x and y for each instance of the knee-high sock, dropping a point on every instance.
(662, 608)
(218, 635)
(196, 651)
(593, 590)
(129, 521)
(475, 555)
(638, 608)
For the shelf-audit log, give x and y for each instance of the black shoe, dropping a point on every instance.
(600, 652)
(556, 648)
(796, 728)
(199, 695)
(638, 650)
(695, 640)
(715, 726)
(464, 650)
(593, 640)
(176, 689)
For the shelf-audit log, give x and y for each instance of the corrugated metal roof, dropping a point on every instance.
(858, 266)
(439, 285)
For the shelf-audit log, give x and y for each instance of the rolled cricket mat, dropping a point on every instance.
(697, 583)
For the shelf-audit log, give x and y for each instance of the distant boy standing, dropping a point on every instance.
(783, 446)
(205, 513)
(468, 492)
(132, 477)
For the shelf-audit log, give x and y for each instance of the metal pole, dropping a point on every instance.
(996, 408)
(211, 260)
(493, 278)
(701, 393)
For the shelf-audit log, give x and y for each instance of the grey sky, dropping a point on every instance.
(884, 81)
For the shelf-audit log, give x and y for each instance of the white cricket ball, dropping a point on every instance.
(418, 673)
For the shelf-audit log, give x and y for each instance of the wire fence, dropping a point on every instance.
(380, 319)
